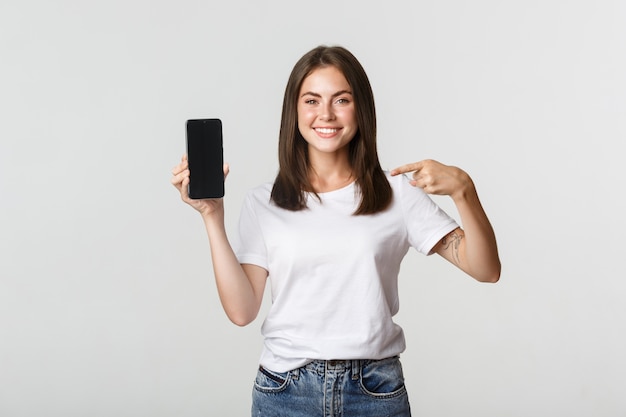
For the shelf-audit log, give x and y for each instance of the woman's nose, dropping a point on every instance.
(326, 112)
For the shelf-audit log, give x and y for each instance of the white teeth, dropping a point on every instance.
(325, 130)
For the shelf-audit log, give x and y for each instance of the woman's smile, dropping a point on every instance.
(326, 132)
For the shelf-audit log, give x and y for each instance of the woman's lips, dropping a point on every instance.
(326, 132)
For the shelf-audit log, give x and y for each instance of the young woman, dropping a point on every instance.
(330, 233)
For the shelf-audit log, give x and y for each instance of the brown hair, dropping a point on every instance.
(292, 181)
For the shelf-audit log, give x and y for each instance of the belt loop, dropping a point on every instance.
(356, 369)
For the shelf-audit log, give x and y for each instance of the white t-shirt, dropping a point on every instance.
(334, 275)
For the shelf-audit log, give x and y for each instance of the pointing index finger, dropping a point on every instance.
(403, 169)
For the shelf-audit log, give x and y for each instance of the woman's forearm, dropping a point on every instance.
(240, 289)
(480, 251)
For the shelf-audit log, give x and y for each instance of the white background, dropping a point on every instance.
(107, 300)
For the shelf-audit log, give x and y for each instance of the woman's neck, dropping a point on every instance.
(330, 172)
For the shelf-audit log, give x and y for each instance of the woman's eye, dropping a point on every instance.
(343, 101)
(310, 101)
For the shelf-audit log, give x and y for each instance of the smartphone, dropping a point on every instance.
(205, 155)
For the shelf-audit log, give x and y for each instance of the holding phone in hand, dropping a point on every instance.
(206, 158)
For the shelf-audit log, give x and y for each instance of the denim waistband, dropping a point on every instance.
(321, 367)
(338, 366)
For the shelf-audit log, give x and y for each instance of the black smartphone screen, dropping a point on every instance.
(206, 158)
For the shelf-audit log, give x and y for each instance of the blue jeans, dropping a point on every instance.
(357, 388)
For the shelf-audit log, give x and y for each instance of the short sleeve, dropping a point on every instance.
(251, 247)
(425, 221)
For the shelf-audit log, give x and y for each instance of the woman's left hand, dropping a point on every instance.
(436, 178)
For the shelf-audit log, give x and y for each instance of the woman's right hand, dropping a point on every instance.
(180, 180)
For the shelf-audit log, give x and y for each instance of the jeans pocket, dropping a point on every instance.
(383, 379)
(270, 381)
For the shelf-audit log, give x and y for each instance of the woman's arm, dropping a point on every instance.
(473, 249)
(240, 287)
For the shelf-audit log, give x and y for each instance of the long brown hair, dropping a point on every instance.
(292, 182)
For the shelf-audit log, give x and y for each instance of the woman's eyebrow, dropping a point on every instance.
(338, 93)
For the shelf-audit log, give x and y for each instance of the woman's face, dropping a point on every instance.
(326, 112)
